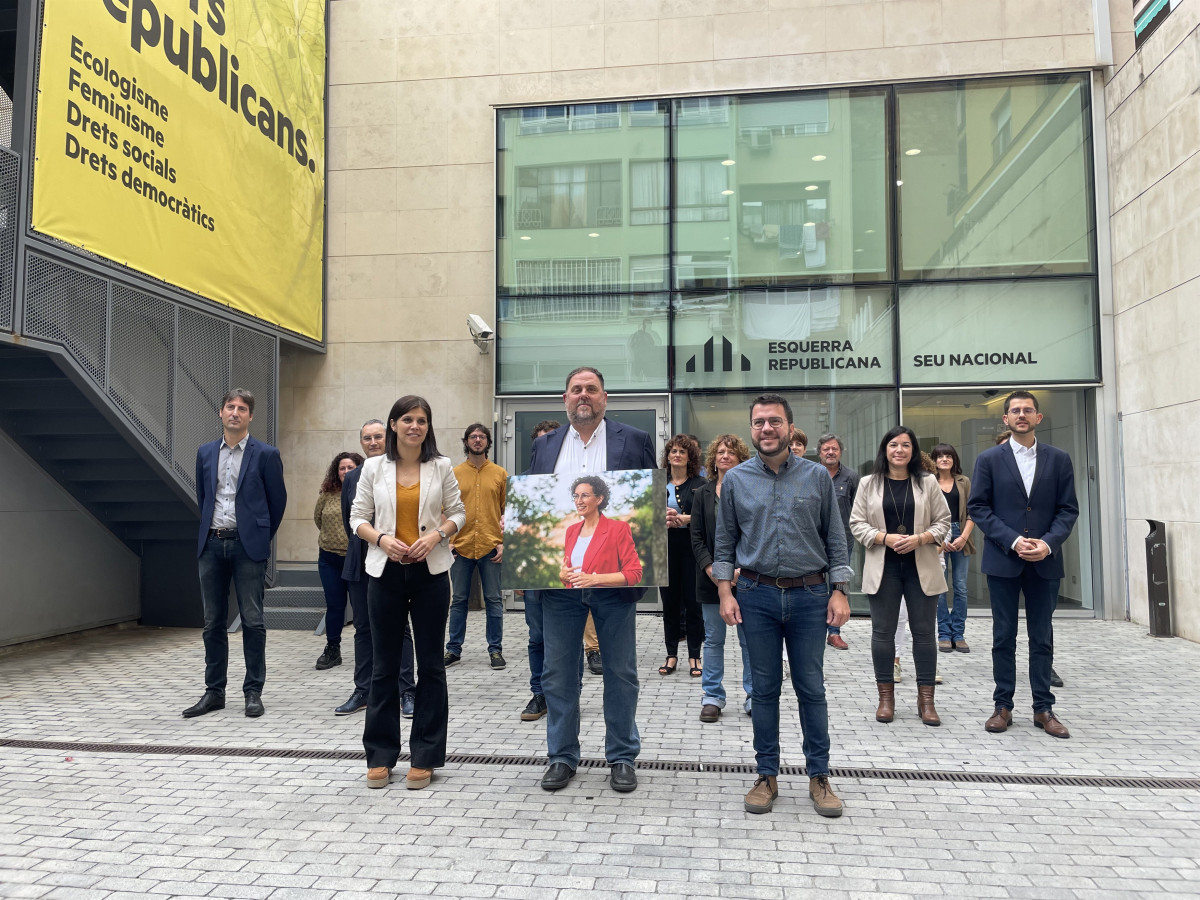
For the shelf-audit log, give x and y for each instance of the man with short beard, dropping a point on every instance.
(845, 486)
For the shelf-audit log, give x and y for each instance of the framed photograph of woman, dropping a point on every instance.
(584, 531)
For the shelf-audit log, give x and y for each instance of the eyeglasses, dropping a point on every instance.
(578, 497)
(1022, 411)
(759, 424)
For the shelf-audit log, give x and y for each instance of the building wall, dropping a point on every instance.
(1154, 181)
(411, 157)
(44, 594)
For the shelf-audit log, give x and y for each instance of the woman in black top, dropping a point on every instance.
(681, 611)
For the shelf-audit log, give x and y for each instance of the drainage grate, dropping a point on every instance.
(647, 765)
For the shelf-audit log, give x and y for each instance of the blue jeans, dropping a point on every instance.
(564, 613)
(1041, 597)
(772, 617)
(952, 621)
(460, 579)
(714, 657)
(224, 559)
(329, 567)
(537, 642)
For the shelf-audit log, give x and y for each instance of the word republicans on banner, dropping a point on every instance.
(185, 139)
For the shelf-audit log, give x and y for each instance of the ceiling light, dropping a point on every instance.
(526, 237)
(594, 234)
(810, 187)
(726, 192)
(809, 224)
(915, 151)
(870, 231)
(728, 162)
(898, 183)
(820, 157)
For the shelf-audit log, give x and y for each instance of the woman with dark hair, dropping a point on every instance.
(598, 551)
(725, 452)
(681, 610)
(411, 497)
(952, 619)
(902, 519)
(331, 555)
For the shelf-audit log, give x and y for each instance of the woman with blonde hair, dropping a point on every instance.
(901, 518)
(727, 451)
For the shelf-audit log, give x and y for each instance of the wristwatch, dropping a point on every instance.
(442, 534)
(841, 586)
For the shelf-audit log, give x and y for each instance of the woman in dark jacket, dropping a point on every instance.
(723, 454)
(681, 612)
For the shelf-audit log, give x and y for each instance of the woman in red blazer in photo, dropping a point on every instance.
(599, 551)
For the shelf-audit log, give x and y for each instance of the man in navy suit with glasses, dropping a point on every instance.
(241, 495)
(1023, 499)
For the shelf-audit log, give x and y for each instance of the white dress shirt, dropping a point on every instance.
(578, 457)
(1026, 458)
(229, 467)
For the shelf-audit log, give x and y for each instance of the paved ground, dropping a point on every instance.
(112, 823)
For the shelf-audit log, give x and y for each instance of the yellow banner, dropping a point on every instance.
(186, 140)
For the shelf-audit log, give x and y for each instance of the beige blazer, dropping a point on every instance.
(930, 513)
(375, 504)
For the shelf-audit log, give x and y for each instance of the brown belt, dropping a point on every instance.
(803, 581)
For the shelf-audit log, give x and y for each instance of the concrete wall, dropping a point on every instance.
(411, 157)
(63, 571)
(1154, 179)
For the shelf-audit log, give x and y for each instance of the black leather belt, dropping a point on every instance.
(803, 581)
(223, 533)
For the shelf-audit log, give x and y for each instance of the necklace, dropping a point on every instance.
(900, 514)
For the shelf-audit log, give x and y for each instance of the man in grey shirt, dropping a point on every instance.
(780, 532)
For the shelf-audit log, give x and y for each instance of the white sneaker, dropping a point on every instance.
(937, 678)
(896, 677)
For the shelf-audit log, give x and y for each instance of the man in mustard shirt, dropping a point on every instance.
(478, 545)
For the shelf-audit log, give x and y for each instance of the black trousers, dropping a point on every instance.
(681, 609)
(922, 621)
(363, 652)
(400, 594)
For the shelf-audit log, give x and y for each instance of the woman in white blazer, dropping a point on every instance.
(406, 508)
(901, 518)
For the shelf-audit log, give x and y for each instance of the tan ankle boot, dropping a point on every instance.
(925, 705)
(887, 702)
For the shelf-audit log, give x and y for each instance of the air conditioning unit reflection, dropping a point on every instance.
(760, 140)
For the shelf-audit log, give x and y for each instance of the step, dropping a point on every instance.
(297, 574)
(293, 619)
(294, 597)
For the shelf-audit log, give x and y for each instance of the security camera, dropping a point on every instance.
(479, 328)
(481, 332)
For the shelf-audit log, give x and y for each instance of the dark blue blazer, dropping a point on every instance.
(627, 448)
(356, 547)
(1000, 507)
(261, 495)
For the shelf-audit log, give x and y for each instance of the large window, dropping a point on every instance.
(995, 178)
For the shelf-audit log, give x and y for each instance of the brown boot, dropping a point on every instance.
(762, 796)
(925, 705)
(887, 702)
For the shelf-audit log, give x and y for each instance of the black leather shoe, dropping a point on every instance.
(357, 701)
(594, 663)
(1055, 681)
(254, 707)
(210, 702)
(622, 777)
(557, 777)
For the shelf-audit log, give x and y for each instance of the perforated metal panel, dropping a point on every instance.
(9, 222)
(141, 349)
(69, 307)
(201, 379)
(253, 368)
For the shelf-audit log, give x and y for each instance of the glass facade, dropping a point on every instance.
(876, 254)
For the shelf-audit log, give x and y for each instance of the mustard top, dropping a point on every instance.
(408, 509)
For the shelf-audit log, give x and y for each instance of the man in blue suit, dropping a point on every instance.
(590, 444)
(241, 495)
(1023, 499)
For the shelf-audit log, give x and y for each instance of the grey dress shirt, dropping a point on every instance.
(784, 525)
